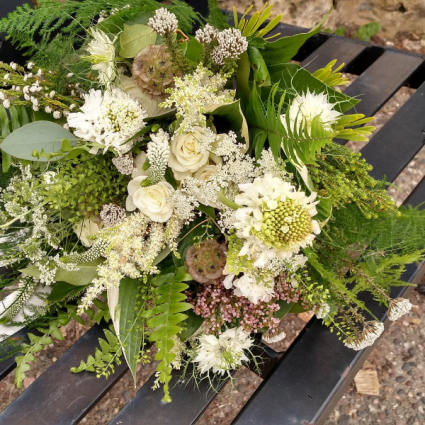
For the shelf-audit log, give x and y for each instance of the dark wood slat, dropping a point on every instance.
(59, 397)
(345, 50)
(267, 359)
(9, 346)
(417, 197)
(395, 145)
(146, 408)
(382, 79)
(188, 402)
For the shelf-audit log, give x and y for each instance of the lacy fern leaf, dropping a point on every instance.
(166, 318)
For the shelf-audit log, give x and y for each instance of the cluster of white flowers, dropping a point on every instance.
(371, 332)
(131, 248)
(195, 94)
(248, 286)
(163, 22)
(231, 44)
(124, 164)
(267, 164)
(398, 307)
(274, 219)
(273, 335)
(206, 35)
(323, 310)
(223, 353)
(112, 215)
(306, 107)
(109, 119)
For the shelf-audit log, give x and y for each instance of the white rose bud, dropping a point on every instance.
(151, 200)
(185, 154)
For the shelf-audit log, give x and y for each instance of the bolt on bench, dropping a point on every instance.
(317, 366)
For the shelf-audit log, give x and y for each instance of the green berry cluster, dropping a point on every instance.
(81, 187)
(289, 223)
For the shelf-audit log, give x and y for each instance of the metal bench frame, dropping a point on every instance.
(303, 385)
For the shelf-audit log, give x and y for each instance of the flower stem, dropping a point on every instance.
(226, 201)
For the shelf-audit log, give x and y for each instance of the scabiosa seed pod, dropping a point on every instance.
(206, 261)
(153, 71)
(124, 164)
(112, 214)
(398, 307)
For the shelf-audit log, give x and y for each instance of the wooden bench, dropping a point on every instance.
(303, 385)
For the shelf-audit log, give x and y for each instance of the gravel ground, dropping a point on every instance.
(398, 357)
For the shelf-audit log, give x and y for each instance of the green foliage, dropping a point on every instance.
(17, 117)
(191, 325)
(25, 23)
(343, 177)
(128, 321)
(331, 77)
(340, 31)
(250, 27)
(134, 38)
(261, 73)
(34, 141)
(284, 309)
(64, 290)
(216, 17)
(166, 318)
(104, 360)
(38, 343)
(82, 186)
(367, 31)
(284, 49)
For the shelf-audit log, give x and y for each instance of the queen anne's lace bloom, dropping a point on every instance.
(164, 22)
(109, 118)
(398, 307)
(224, 353)
(275, 219)
(305, 107)
(371, 332)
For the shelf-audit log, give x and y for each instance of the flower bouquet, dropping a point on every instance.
(185, 188)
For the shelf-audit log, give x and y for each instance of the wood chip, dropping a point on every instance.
(367, 382)
(306, 316)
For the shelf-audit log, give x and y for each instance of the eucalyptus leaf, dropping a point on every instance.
(37, 136)
(134, 38)
(285, 308)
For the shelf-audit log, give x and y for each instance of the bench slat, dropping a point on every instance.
(58, 396)
(382, 79)
(345, 50)
(8, 346)
(395, 145)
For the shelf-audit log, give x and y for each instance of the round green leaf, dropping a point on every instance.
(134, 38)
(37, 136)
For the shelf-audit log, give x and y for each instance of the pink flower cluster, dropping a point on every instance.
(219, 306)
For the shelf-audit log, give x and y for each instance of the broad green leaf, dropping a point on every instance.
(230, 116)
(192, 323)
(285, 308)
(324, 210)
(297, 308)
(284, 49)
(242, 79)
(194, 50)
(261, 73)
(61, 290)
(127, 318)
(134, 38)
(296, 80)
(37, 136)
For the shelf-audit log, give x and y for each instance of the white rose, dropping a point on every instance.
(150, 200)
(85, 229)
(185, 156)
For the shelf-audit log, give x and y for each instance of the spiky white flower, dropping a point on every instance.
(371, 332)
(164, 22)
(249, 287)
(398, 307)
(102, 56)
(158, 155)
(109, 118)
(274, 219)
(224, 353)
(307, 106)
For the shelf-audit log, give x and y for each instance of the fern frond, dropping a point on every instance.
(166, 320)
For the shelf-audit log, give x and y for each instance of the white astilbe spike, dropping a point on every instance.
(158, 153)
